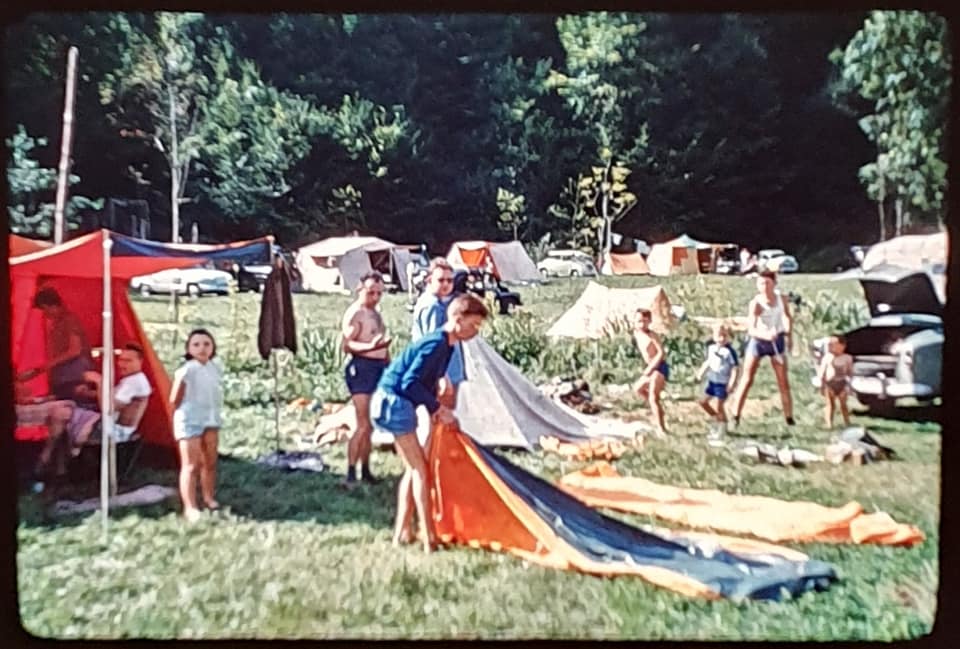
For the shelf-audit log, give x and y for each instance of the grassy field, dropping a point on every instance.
(292, 556)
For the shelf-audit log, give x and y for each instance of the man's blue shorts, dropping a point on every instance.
(761, 348)
(664, 369)
(363, 374)
(393, 413)
(718, 390)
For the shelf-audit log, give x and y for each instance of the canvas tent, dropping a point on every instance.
(631, 263)
(498, 406)
(916, 251)
(600, 310)
(336, 264)
(18, 245)
(485, 501)
(76, 270)
(681, 256)
(509, 261)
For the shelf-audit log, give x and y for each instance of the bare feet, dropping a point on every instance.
(212, 505)
(191, 514)
(404, 538)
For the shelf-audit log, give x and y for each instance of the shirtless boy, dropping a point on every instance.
(365, 339)
(656, 373)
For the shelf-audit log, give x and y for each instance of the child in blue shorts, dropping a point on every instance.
(721, 368)
(412, 379)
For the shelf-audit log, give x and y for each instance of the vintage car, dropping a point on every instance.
(192, 281)
(777, 260)
(899, 352)
(567, 263)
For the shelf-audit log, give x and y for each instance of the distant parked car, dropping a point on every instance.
(777, 260)
(899, 353)
(567, 263)
(191, 281)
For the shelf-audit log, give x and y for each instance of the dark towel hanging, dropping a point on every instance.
(278, 326)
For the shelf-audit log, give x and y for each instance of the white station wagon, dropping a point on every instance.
(567, 263)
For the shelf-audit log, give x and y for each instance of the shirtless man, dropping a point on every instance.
(365, 339)
(656, 373)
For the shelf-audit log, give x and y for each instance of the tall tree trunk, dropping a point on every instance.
(883, 215)
(174, 170)
(898, 210)
(515, 237)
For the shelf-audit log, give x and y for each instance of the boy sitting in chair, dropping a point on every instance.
(129, 399)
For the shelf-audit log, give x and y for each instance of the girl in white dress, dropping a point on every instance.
(197, 398)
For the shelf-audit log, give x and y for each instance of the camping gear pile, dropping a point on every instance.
(572, 392)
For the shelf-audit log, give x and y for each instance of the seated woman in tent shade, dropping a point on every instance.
(413, 379)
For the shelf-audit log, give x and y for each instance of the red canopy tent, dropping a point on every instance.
(75, 269)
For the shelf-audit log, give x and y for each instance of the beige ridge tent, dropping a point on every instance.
(508, 261)
(600, 311)
(631, 263)
(917, 251)
(337, 264)
(680, 256)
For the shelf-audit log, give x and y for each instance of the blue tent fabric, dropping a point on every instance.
(239, 252)
(605, 539)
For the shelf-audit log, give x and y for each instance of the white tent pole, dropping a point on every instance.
(106, 386)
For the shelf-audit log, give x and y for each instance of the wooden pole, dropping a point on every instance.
(107, 488)
(63, 175)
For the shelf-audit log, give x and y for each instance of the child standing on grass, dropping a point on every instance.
(655, 375)
(721, 368)
(197, 398)
(835, 372)
(413, 379)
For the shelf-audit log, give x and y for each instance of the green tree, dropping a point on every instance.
(182, 88)
(900, 62)
(31, 186)
(602, 63)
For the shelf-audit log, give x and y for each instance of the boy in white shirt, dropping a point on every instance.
(721, 368)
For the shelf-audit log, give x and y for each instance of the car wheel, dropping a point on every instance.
(574, 272)
(193, 290)
(259, 287)
(544, 272)
(145, 290)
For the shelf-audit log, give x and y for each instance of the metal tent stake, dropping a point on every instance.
(276, 398)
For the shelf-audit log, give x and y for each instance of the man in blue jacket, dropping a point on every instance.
(413, 379)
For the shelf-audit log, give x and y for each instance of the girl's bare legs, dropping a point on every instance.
(783, 384)
(402, 532)
(208, 469)
(191, 459)
(750, 364)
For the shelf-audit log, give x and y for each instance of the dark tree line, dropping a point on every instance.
(442, 127)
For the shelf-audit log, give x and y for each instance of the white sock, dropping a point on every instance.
(722, 428)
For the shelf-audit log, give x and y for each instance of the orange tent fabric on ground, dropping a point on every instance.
(481, 500)
(600, 485)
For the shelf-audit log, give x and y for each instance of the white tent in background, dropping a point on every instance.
(509, 261)
(600, 311)
(680, 256)
(335, 265)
